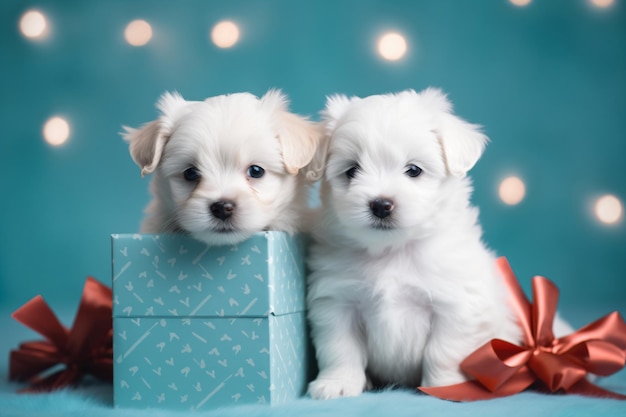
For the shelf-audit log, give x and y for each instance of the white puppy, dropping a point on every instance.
(402, 286)
(226, 167)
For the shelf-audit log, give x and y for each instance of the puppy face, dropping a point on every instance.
(389, 161)
(226, 167)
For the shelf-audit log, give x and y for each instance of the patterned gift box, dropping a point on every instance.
(198, 326)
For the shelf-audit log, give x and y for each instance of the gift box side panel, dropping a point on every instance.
(289, 357)
(175, 275)
(190, 363)
(287, 268)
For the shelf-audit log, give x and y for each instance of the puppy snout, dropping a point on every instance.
(223, 209)
(381, 207)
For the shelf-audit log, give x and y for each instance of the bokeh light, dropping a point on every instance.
(138, 32)
(602, 3)
(520, 3)
(392, 46)
(56, 131)
(608, 209)
(512, 191)
(34, 25)
(225, 34)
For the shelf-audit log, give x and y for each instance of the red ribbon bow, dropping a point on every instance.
(86, 348)
(500, 368)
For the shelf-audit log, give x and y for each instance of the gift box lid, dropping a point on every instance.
(175, 275)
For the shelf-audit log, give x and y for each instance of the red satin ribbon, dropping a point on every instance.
(549, 364)
(86, 348)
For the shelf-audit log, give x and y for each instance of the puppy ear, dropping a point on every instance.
(336, 106)
(462, 143)
(147, 143)
(317, 166)
(298, 137)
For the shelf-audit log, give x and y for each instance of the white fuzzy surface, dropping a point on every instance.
(222, 137)
(404, 298)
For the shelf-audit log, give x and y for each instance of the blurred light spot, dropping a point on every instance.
(608, 209)
(138, 32)
(512, 191)
(33, 24)
(520, 3)
(602, 3)
(56, 131)
(392, 46)
(225, 34)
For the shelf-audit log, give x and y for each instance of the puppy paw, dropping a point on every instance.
(337, 384)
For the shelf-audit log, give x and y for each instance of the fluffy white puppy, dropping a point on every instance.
(402, 287)
(226, 167)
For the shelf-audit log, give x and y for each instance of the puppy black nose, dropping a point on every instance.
(381, 207)
(222, 209)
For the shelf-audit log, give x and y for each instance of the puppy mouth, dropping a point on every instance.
(382, 224)
(224, 229)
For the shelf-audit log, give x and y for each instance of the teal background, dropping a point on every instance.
(547, 81)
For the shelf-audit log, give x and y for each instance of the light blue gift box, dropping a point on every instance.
(197, 327)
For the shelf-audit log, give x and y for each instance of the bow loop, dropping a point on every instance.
(546, 297)
(495, 363)
(93, 320)
(31, 359)
(500, 368)
(598, 357)
(86, 348)
(38, 316)
(610, 328)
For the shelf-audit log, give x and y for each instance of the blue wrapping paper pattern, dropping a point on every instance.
(199, 363)
(197, 327)
(289, 357)
(174, 275)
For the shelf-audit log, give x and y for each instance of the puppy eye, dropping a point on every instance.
(351, 173)
(255, 171)
(192, 174)
(413, 171)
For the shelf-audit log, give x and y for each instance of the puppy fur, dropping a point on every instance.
(226, 167)
(402, 287)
